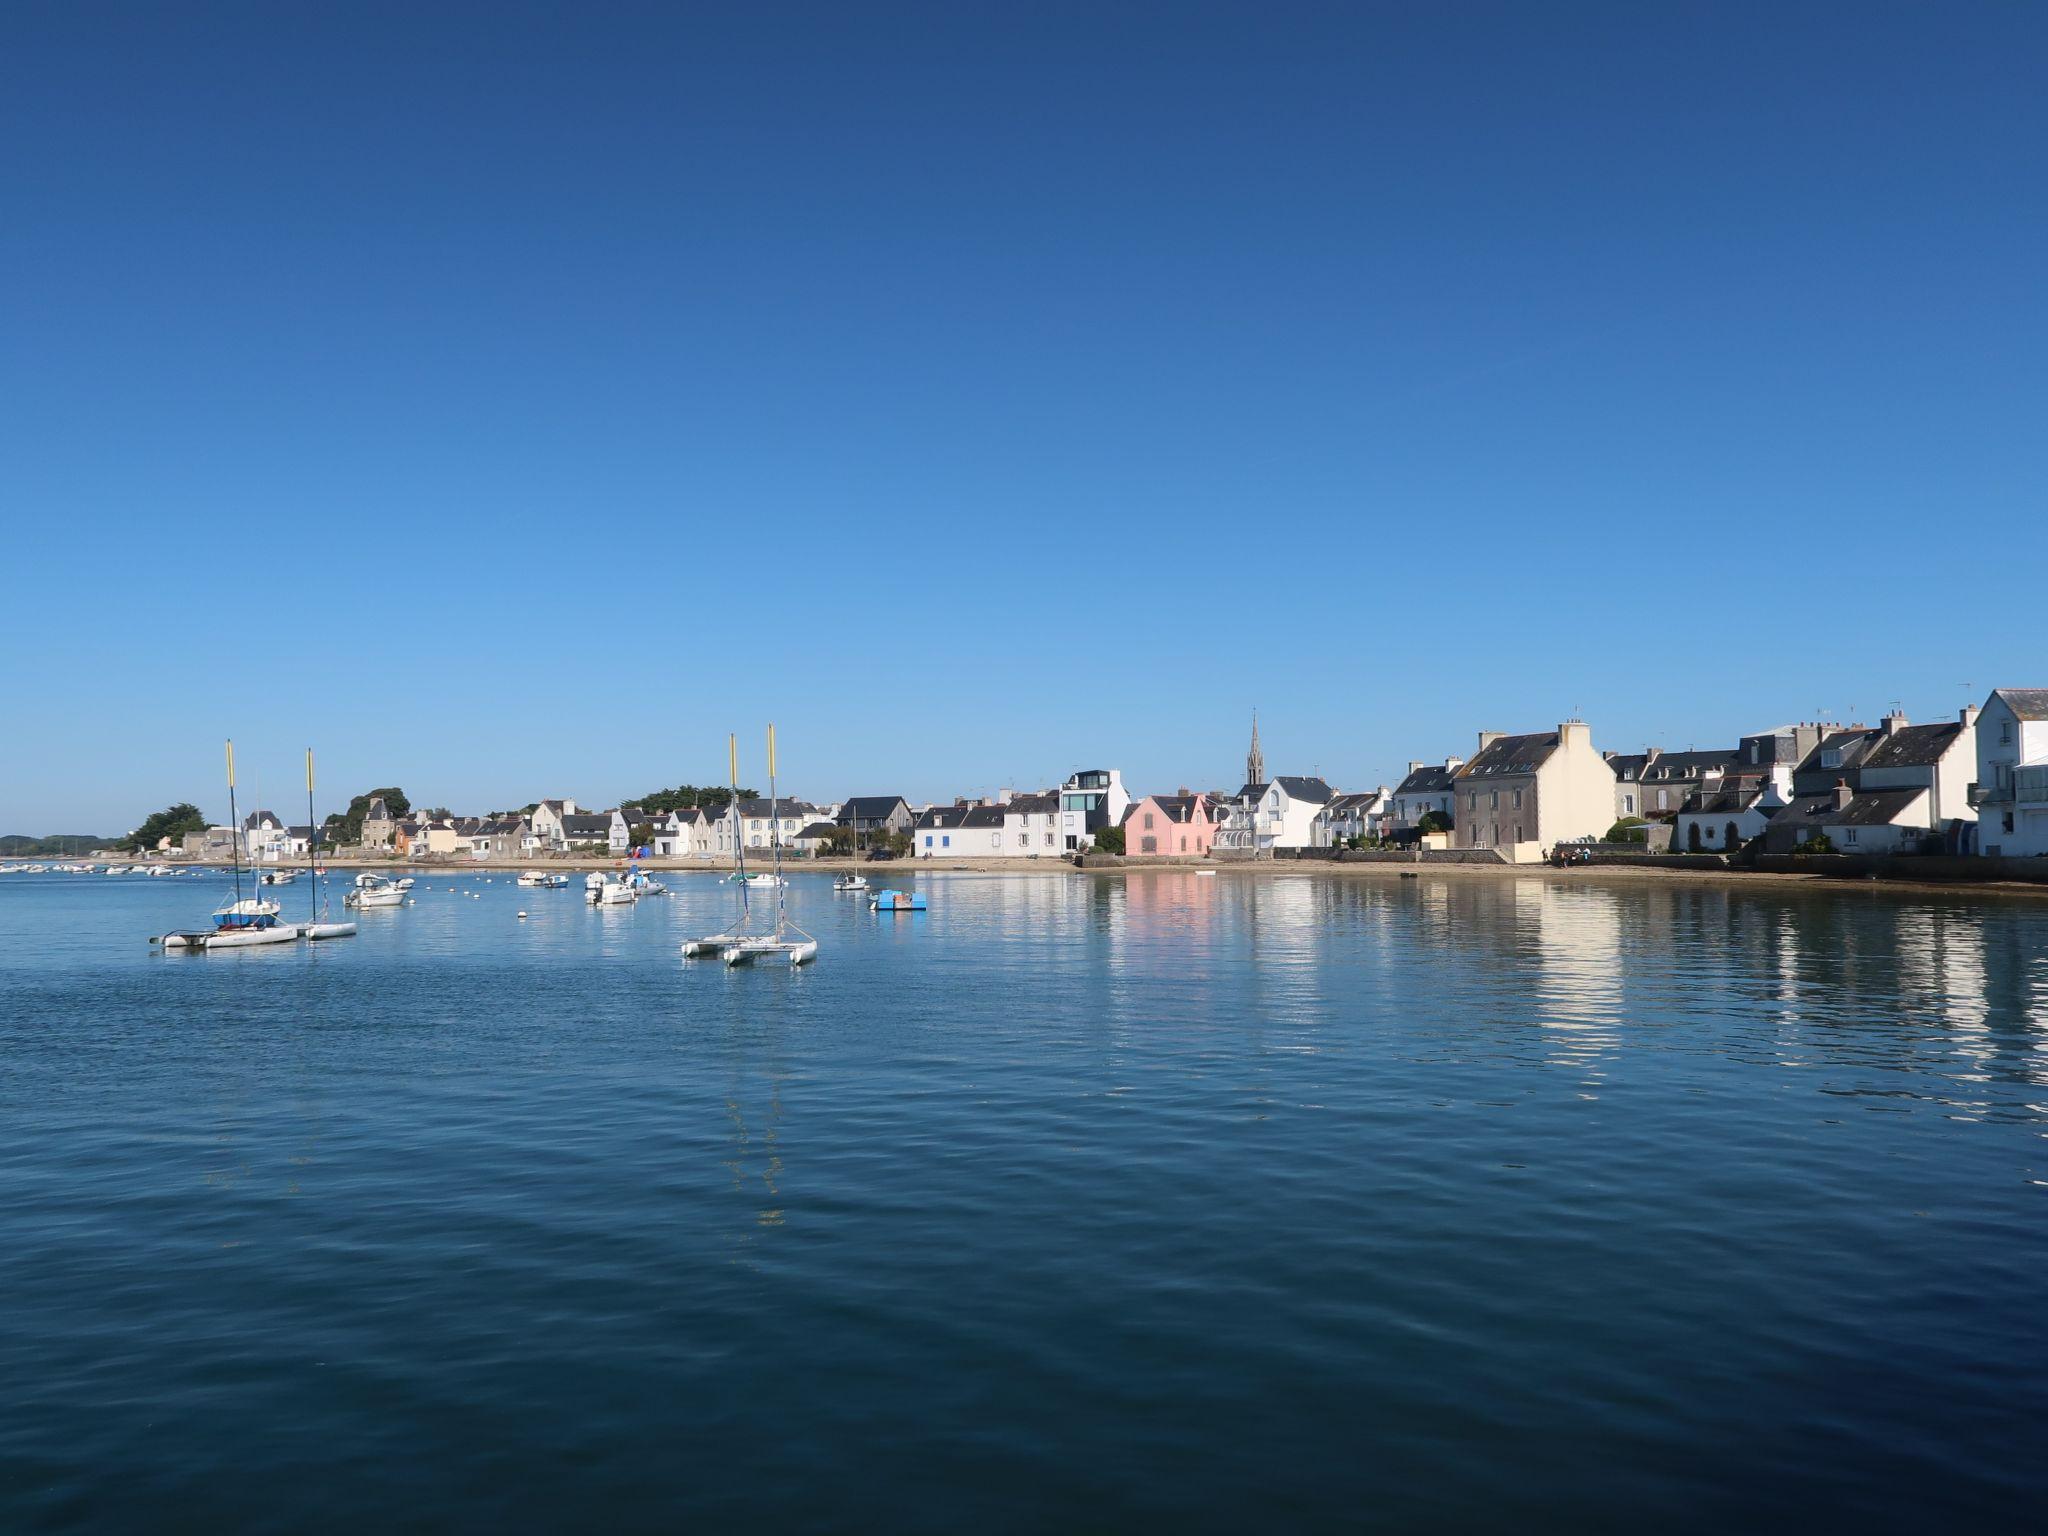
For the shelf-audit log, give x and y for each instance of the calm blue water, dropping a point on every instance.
(1075, 1202)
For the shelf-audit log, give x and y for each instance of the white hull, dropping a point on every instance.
(390, 898)
(233, 938)
(330, 930)
(750, 950)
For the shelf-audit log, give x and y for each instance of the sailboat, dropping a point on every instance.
(238, 923)
(787, 939)
(319, 927)
(714, 943)
(852, 879)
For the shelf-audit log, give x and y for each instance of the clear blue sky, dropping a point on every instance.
(510, 400)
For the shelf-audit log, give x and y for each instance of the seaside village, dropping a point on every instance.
(1973, 785)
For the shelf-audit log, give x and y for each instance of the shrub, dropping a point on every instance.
(1627, 830)
(1110, 840)
(1820, 842)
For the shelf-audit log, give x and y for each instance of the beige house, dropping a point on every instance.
(1523, 795)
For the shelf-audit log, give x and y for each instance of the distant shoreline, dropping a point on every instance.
(880, 871)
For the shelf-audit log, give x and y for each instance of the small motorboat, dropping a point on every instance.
(542, 880)
(755, 881)
(374, 891)
(645, 884)
(611, 893)
(279, 876)
(896, 901)
(849, 882)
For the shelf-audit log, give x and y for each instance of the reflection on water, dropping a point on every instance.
(1073, 1202)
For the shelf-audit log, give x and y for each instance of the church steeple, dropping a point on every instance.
(1255, 760)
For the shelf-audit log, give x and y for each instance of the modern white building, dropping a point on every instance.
(2011, 792)
(1091, 800)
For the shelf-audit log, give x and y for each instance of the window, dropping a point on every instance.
(1518, 799)
(927, 839)
(1148, 821)
(1849, 835)
(1831, 757)
(1183, 845)
(2005, 733)
(1148, 845)
(1496, 801)
(1471, 802)
(945, 842)
(1518, 831)
(1628, 805)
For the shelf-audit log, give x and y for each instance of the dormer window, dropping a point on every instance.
(1831, 757)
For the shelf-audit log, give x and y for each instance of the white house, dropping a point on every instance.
(1942, 759)
(265, 839)
(2011, 793)
(764, 823)
(1280, 813)
(958, 832)
(1724, 818)
(1031, 825)
(1349, 816)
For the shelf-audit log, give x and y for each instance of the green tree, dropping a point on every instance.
(1434, 821)
(1110, 840)
(1628, 830)
(173, 821)
(347, 826)
(688, 797)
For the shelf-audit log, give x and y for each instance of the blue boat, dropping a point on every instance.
(896, 901)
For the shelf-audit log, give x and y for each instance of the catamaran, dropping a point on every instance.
(322, 926)
(787, 939)
(717, 943)
(240, 922)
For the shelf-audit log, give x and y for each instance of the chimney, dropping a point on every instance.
(1574, 735)
(1843, 794)
(1453, 764)
(1651, 754)
(1894, 722)
(1488, 738)
(1415, 767)
(1968, 715)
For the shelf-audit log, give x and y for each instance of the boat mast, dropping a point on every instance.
(312, 834)
(234, 824)
(774, 824)
(739, 857)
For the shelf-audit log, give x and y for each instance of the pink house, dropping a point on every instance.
(1169, 826)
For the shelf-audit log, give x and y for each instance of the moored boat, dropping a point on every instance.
(374, 891)
(896, 901)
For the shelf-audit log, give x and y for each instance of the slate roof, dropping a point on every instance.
(819, 830)
(1040, 803)
(2027, 703)
(1313, 791)
(1851, 744)
(955, 818)
(1873, 808)
(1628, 766)
(1913, 746)
(257, 821)
(1729, 799)
(1364, 801)
(580, 827)
(1255, 791)
(1430, 779)
(1670, 766)
(871, 807)
(1510, 754)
